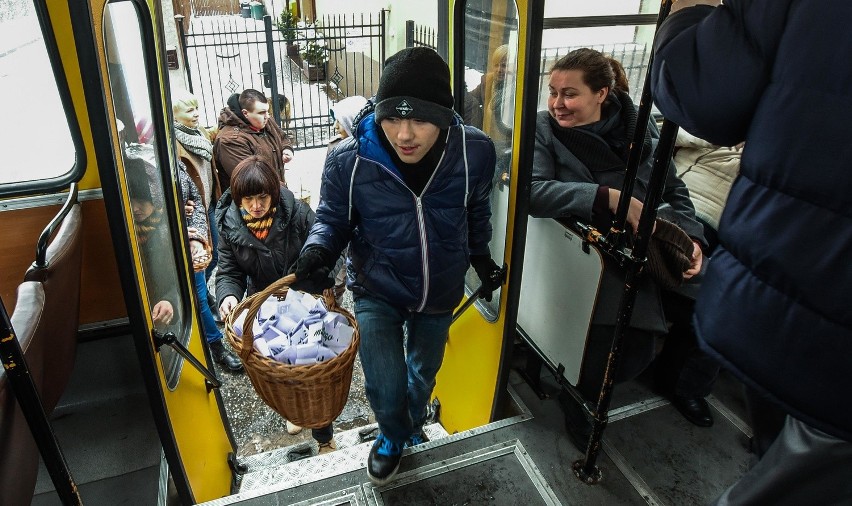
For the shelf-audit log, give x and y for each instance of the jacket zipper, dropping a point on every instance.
(421, 227)
(424, 252)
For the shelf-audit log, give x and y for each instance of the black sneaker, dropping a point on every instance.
(383, 461)
(225, 356)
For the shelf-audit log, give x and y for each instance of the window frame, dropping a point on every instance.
(78, 168)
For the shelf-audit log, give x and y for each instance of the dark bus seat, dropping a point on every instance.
(559, 290)
(19, 458)
(58, 268)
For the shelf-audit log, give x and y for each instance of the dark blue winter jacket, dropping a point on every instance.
(410, 251)
(774, 305)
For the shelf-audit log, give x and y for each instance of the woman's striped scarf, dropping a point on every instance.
(146, 227)
(258, 226)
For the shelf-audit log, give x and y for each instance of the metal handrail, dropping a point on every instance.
(47, 233)
(169, 339)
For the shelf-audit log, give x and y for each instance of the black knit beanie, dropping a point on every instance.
(415, 83)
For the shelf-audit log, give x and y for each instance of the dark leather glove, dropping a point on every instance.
(312, 270)
(489, 274)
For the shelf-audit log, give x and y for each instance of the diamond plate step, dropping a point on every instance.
(275, 469)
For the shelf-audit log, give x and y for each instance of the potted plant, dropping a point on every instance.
(314, 60)
(288, 25)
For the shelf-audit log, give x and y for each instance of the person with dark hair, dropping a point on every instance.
(582, 144)
(200, 249)
(262, 228)
(245, 130)
(409, 192)
(774, 308)
(151, 237)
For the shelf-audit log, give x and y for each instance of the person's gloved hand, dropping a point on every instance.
(312, 270)
(489, 274)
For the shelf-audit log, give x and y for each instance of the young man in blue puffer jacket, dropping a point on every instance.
(409, 192)
(774, 305)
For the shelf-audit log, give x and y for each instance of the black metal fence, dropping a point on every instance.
(336, 57)
(420, 36)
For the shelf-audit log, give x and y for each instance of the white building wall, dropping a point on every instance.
(424, 13)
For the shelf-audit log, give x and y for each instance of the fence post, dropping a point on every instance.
(273, 69)
(409, 33)
(182, 41)
(382, 45)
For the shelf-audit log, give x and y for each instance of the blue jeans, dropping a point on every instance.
(214, 239)
(208, 324)
(399, 384)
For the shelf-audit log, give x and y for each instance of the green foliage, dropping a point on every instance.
(315, 53)
(287, 25)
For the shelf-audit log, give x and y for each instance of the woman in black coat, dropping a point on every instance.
(582, 144)
(262, 228)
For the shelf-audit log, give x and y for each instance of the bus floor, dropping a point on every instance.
(104, 426)
(651, 455)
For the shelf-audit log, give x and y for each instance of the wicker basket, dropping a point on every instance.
(307, 395)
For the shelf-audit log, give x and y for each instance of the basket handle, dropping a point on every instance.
(278, 286)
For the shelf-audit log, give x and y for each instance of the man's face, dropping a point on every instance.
(410, 138)
(259, 116)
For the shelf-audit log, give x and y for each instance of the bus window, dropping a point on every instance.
(491, 59)
(144, 171)
(33, 109)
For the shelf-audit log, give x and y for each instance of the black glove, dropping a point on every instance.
(489, 274)
(312, 270)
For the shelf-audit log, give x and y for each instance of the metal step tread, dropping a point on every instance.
(276, 468)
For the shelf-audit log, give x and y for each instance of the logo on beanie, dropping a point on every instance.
(404, 109)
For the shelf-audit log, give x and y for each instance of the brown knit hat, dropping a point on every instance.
(669, 254)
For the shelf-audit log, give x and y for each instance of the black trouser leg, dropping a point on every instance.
(766, 420)
(682, 368)
(323, 434)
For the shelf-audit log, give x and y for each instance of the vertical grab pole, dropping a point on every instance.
(645, 103)
(273, 69)
(585, 469)
(25, 392)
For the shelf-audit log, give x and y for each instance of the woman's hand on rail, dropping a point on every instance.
(695, 261)
(633, 212)
(228, 304)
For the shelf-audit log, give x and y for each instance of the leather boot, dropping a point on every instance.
(225, 356)
(694, 409)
